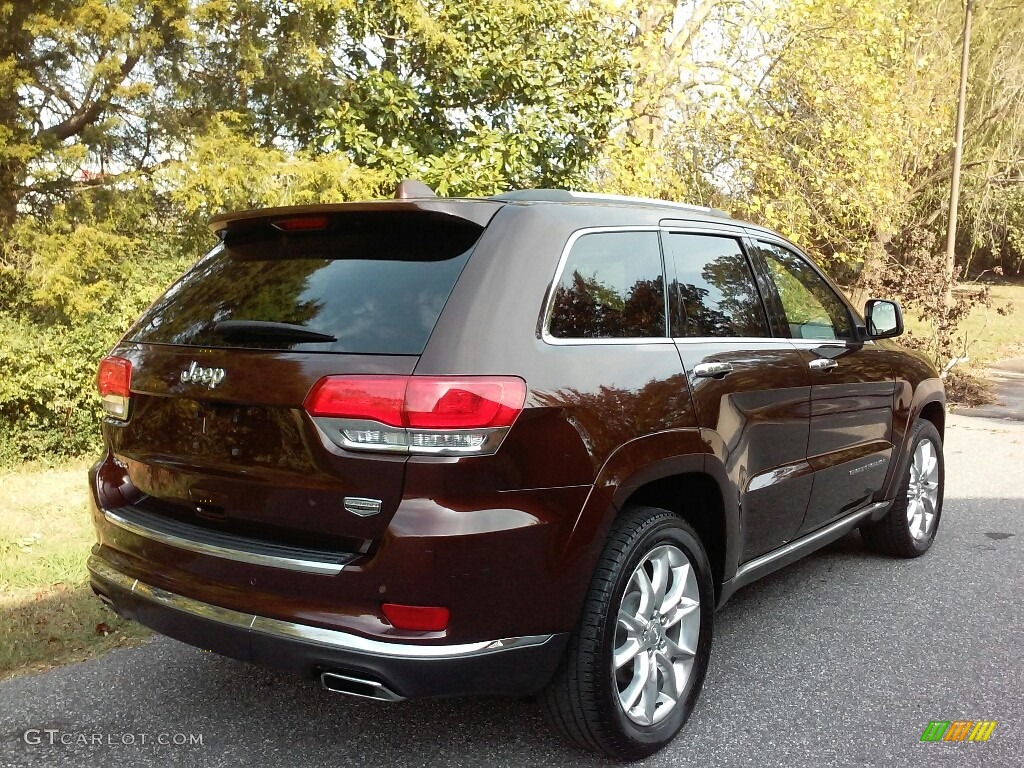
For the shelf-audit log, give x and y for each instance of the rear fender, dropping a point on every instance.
(635, 464)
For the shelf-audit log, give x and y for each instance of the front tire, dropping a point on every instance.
(909, 528)
(636, 662)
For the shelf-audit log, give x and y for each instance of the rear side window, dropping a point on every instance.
(369, 283)
(611, 287)
(716, 289)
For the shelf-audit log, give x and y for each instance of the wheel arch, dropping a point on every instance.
(673, 470)
(928, 403)
(935, 412)
(696, 497)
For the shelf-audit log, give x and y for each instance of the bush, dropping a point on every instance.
(68, 292)
(48, 405)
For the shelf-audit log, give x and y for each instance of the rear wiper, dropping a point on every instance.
(262, 329)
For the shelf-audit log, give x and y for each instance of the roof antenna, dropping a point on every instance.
(411, 188)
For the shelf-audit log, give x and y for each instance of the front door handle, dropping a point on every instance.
(823, 364)
(712, 370)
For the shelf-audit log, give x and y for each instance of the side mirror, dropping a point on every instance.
(884, 319)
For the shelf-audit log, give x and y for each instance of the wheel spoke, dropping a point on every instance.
(927, 514)
(930, 459)
(629, 697)
(634, 626)
(911, 510)
(686, 606)
(632, 645)
(922, 520)
(930, 467)
(650, 699)
(671, 688)
(647, 596)
(680, 576)
(626, 652)
(661, 568)
(680, 651)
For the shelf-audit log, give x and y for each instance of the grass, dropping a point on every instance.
(990, 336)
(48, 614)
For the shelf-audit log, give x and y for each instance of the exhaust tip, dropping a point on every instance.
(358, 686)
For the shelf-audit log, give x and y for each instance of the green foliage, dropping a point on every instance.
(46, 410)
(479, 96)
(81, 281)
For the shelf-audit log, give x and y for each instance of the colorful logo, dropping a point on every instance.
(958, 730)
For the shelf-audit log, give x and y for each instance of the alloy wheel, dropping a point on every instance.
(923, 490)
(657, 629)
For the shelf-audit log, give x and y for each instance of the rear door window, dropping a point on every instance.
(611, 287)
(715, 287)
(367, 283)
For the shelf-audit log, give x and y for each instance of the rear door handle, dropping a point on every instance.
(712, 370)
(822, 364)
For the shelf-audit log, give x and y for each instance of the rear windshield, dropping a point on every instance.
(374, 282)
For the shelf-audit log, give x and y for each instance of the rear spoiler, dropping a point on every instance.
(471, 210)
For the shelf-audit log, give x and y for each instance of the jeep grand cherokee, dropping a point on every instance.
(510, 445)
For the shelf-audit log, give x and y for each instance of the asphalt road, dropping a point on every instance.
(841, 659)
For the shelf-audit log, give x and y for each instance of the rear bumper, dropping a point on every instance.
(510, 666)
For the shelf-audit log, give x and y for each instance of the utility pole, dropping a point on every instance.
(958, 150)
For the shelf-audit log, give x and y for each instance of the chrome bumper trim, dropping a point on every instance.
(287, 630)
(226, 553)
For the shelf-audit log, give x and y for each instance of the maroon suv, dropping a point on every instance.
(507, 445)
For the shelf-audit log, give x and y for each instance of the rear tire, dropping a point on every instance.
(636, 663)
(909, 528)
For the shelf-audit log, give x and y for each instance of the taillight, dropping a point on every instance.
(114, 382)
(377, 398)
(440, 415)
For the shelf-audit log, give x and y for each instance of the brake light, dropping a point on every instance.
(444, 415)
(114, 380)
(422, 618)
(300, 224)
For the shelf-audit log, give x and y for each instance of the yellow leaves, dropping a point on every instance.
(78, 267)
(227, 171)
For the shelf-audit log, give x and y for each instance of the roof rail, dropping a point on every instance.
(571, 196)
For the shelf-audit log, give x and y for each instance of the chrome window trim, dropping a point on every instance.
(213, 550)
(773, 341)
(683, 227)
(287, 630)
